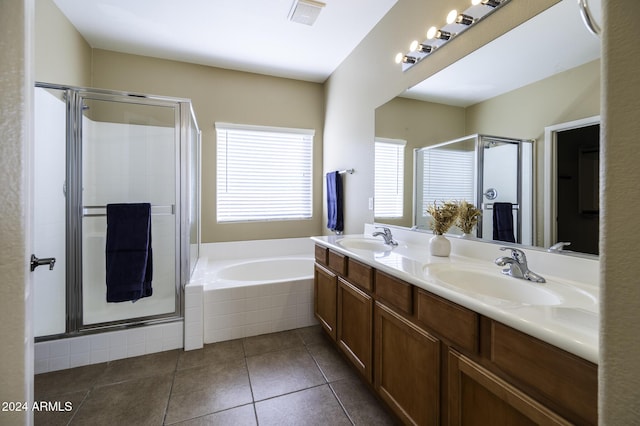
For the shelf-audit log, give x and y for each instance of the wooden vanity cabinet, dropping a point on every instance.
(325, 289)
(562, 381)
(407, 368)
(435, 362)
(354, 326)
(344, 307)
(477, 397)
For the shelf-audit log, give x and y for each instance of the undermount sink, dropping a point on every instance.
(364, 244)
(491, 283)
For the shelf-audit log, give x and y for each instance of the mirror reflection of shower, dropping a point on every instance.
(493, 173)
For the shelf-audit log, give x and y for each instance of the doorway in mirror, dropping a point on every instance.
(577, 187)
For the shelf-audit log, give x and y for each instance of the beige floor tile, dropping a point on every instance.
(314, 406)
(60, 382)
(239, 416)
(361, 405)
(280, 372)
(140, 366)
(258, 345)
(213, 353)
(137, 402)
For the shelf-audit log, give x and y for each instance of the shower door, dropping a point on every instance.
(97, 147)
(129, 153)
(49, 165)
(499, 182)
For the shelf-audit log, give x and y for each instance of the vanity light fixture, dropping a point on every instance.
(425, 49)
(405, 59)
(490, 3)
(435, 33)
(456, 23)
(464, 19)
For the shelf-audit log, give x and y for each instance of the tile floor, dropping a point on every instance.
(296, 377)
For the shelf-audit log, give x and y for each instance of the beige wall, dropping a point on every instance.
(420, 124)
(62, 55)
(620, 201)
(16, 350)
(226, 96)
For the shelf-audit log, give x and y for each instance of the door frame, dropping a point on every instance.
(550, 210)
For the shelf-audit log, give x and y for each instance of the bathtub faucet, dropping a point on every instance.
(386, 234)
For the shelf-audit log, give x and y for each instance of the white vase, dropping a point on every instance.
(439, 245)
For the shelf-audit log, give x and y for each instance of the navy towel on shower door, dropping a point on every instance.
(129, 260)
(503, 222)
(334, 202)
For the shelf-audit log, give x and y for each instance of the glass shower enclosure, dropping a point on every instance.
(98, 147)
(482, 170)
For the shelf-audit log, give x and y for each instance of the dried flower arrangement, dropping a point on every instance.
(468, 216)
(444, 215)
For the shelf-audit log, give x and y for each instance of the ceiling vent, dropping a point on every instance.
(305, 11)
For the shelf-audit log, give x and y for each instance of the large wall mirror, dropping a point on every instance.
(537, 81)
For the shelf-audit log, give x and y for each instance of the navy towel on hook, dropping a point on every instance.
(129, 260)
(503, 222)
(334, 202)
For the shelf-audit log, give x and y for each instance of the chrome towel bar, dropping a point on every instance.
(98, 211)
(489, 206)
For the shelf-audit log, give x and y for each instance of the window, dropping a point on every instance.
(264, 173)
(389, 178)
(448, 174)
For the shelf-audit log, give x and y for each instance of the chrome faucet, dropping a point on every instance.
(558, 247)
(386, 234)
(516, 266)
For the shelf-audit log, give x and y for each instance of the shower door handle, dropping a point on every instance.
(35, 262)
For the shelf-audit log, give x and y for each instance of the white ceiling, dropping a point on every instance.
(554, 41)
(246, 35)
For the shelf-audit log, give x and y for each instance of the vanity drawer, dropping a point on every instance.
(561, 377)
(321, 254)
(454, 322)
(337, 262)
(396, 293)
(360, 274)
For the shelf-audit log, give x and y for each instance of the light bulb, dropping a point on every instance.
(451, 17)
(475, 2)
(413, 46)
(399, 57)
(431, 33)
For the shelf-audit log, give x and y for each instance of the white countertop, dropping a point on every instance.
(572, 324)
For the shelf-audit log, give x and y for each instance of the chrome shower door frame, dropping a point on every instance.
(183, 113)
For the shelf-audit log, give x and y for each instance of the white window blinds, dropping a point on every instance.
(447, 175)
(263, 173)
(389, 177)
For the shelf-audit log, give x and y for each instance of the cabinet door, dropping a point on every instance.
(478, 397)
(325, 285)
(355, 317)
(407, 368)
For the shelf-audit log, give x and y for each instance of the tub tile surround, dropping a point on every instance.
(218, 311)
(571, 325)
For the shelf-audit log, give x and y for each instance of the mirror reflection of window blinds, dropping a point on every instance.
(447, 175)
(389, 177)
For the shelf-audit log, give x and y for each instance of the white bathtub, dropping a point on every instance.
(261, 271)
(231, 298)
